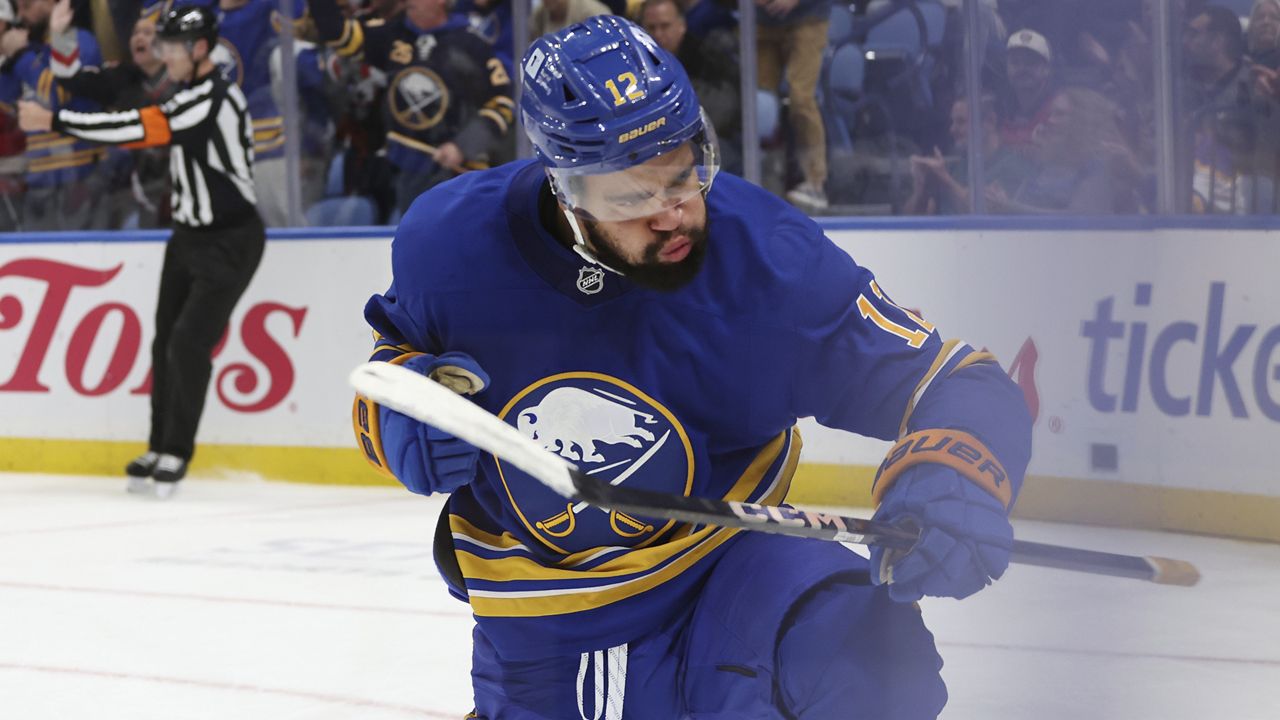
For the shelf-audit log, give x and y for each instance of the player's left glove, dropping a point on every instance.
(959, 507)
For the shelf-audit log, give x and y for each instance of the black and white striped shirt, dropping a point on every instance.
(210, 135)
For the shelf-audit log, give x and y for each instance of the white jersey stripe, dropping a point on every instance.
(204, 206)
(617, 683)
(182, 199)
(228, 128)
(191, 116)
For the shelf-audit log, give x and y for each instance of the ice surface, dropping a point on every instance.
(246, 599)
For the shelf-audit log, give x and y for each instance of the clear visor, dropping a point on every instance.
(668, 180)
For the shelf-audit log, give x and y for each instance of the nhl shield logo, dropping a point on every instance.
(590, 280)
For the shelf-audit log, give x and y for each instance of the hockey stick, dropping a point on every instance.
(423, 399)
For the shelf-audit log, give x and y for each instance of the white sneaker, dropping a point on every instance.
(807, 196)
(138, 486)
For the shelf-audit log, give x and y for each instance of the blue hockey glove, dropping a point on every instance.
(965, 536)
(425, 458)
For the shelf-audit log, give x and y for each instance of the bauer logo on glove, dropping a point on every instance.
(956, 449)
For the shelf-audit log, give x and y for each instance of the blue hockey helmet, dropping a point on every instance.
(601, 97)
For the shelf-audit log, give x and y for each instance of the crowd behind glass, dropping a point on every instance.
(878, 107)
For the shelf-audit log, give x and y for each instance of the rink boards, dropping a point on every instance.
(1148, 351)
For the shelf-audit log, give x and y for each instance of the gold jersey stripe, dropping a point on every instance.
(687, 549)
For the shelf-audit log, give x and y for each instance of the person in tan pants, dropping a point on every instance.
(790, 38)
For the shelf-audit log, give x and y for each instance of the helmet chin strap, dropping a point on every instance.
(580, 242)
(579, 239)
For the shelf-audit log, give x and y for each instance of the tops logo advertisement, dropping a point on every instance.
(48, 320)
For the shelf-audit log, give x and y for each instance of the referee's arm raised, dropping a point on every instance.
(150, 126)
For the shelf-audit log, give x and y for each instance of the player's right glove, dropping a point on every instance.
(425, 458)
(957, 498)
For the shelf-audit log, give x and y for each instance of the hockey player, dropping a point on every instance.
(448, 99)
(218, 236)
(608, 301)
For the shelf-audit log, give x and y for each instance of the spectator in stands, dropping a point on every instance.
(449, 98)
(1229, 147)
(1029, 72)
(1264, 33)
(361, 132)
(1264, 47)
(13, 143)
(940, 185)
(1213, 46)
(1082, 33)
(137, 180)
(554, 15)
(790, 37)
(711, 62)
(62, 174)
(1085, 167)
(361, 135)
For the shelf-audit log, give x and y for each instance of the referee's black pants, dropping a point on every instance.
(205, 273)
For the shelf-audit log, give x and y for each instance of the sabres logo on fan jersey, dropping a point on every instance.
(609, 430)
(418, 98)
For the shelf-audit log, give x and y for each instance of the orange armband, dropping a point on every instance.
(955, 449)
(155, 127)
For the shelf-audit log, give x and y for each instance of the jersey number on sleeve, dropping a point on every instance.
(915, 337)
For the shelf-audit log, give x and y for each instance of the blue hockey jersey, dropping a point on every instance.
(52, 158)
(695, 391)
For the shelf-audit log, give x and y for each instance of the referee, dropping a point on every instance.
(218, 236)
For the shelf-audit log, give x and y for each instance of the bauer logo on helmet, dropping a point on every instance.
(648, 128)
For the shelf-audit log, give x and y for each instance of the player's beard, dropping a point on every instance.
(651, 272)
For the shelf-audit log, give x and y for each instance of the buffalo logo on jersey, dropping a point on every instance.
(609, 430)
(418, 98)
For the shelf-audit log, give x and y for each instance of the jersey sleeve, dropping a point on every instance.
(75, 51)
(394, 444)
(188, 112)
(343, 34)
(101, 85)
(876, 368)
